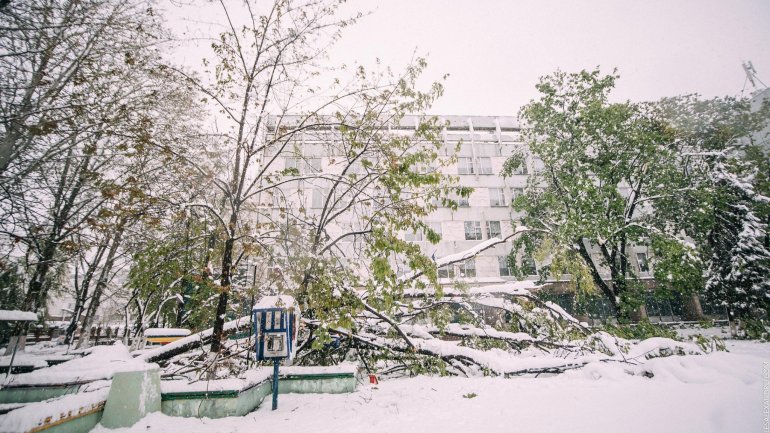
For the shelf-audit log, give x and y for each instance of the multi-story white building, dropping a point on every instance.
(482, 144)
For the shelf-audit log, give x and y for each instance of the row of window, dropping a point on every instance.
(468, 165)
(473, 231)
(467, 268)
(465, 165)
(313, 165)
(496, 197)
(527, 265)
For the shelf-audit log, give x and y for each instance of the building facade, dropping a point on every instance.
(481, 145)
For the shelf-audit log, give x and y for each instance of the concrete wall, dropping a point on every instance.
(29, 394)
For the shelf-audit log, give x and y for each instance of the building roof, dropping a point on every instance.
(17, 316)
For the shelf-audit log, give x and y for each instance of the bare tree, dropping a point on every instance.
(85, 102)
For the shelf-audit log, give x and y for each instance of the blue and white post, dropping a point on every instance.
(276, 319)
(275, 384)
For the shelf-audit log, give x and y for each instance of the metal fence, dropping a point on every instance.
(660, 308)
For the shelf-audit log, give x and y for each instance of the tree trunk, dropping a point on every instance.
(595, 275)
(692, 309)
(101, 284)
(81, 294)
(37, 291)
(638, 314)
(18, 342)
(63, 204)
(227, 264)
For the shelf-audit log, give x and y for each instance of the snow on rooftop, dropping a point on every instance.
(166, 332)
(284, 301)
(342, 368)
(17, 316)
(102, 362)
(522, 288)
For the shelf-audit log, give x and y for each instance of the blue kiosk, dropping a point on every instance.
(276, 321)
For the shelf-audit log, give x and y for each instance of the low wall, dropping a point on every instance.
(222, 398)
(215, 404)
(33, 393)
(331, 383)
(79, 423)
(75, 413)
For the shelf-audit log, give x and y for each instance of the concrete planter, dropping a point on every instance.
(33, 393)
(215, 404)
(76, 423)
(219, 401)
(75, 413)
(323, 383)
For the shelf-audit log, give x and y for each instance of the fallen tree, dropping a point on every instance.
(197, 341)
(498, 329)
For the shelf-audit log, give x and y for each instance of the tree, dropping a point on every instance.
(167, 280)
(607, 167)
(738, 272)
(726, 166)
(92, 127)
(60, 59)
(72, 70)
(346, 252)
(266, 66)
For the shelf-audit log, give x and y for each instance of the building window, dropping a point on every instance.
(485, 165)
(463, 201)
(488, 148)
(332, 148)
(436, 227)
(468, 268)
(493, 229)
(276, 198)
(464, 165)
(457, 198)
(421, 168)
(472, 230)
(521, 169)
(537, 165)
(446, 271)
(643, 265)
(505, 270)
(496, 197)
(516, 193)
(412, 236)
(291, 163)
(318, 199)
(528, 266)
(314, 164)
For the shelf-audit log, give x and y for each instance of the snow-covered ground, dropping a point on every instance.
(719, 392)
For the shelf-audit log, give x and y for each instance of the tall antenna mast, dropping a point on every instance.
(751, 75)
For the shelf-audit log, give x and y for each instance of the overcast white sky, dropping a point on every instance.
(495, 50)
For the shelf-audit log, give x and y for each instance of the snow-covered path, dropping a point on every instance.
(721, 392)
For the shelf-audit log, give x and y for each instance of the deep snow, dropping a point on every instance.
(719, 392)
